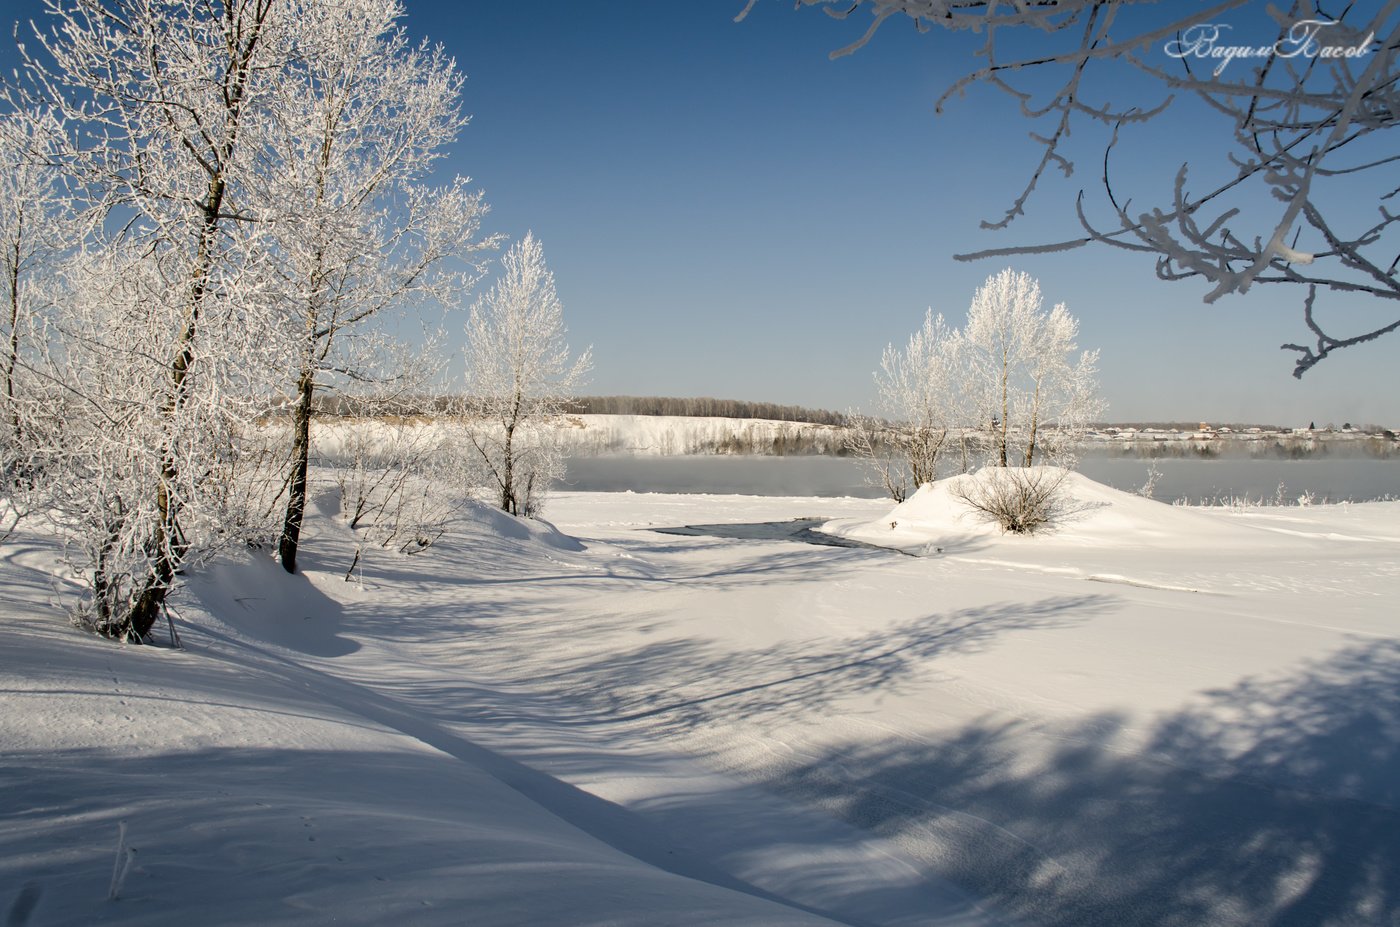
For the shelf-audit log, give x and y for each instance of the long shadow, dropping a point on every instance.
(272, 606)
(1274, 804)
(484, 603)
(683, 689)
(680, 685)
(620, 829)
(478, 569)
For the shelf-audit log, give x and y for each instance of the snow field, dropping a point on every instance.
(517, 727)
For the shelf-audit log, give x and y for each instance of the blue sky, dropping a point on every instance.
(730, 213)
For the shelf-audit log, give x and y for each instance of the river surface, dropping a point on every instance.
(1215, 481)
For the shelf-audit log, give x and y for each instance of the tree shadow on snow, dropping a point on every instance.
(686, 684)
(1275, 803)
(253, 594)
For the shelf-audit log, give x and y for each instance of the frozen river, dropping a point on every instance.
(1195, 480)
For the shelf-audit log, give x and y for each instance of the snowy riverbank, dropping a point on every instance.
(1155, 716)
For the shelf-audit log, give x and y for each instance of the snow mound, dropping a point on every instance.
(937, 520)
(500, 525)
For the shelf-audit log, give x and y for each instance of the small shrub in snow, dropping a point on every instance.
(1022, 500)
(1149, 486)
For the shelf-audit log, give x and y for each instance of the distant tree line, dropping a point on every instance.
(337, 404)
(702, 406)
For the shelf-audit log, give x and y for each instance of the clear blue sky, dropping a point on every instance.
(730, 213)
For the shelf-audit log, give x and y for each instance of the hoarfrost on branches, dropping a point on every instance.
(917, 400)
(519, 380)
(1026, 378)
(351, 229)
(1301, 114)
(232, 191)
(1011, 388)
(157, 113)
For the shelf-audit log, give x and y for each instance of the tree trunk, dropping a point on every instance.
(1035, 423)
(508, 500)
(13, 359)
(508, 471)
(167, 545)
(296, 483)
(306, 384)
(1005, 404)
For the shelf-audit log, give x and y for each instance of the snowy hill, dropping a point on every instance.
(1152, 716)
(281, 769)
(1109, 535)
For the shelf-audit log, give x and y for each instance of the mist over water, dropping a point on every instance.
(1195, 480)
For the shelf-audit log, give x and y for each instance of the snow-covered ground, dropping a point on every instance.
(1154, 715)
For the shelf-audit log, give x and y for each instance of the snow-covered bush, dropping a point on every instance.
(391, 472)
(1022, 500)
(1149, 485)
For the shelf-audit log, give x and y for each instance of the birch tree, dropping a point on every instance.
(117, 434)
(519, 379)
(362, 117)
(160, 105)
(1027, 386)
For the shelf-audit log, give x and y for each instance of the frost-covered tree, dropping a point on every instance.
(161, 107)
(1297, 144)
(362, 116)
(253, 175)
(519, 379)
(140, 484)
(37, 230)
(1012, 383)
(1028, 383)
(918, 403)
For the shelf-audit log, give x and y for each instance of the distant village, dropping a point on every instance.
(650, 429)
(1206, 439)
